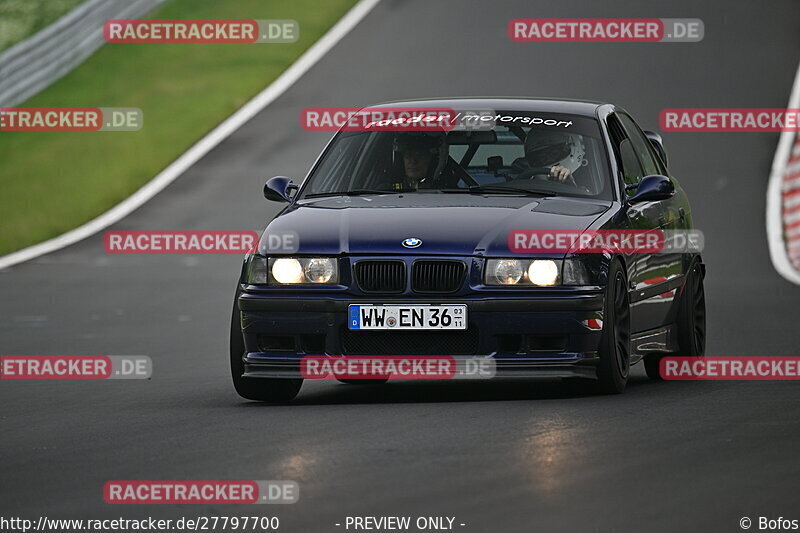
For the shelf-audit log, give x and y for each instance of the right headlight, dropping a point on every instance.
(292, 270)
(303, 270)
(287, 270)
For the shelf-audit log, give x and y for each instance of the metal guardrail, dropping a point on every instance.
(31, 65)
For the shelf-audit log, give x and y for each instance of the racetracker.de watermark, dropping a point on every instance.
(201, 31)
(201, 492)
(397, 119)
(606, 30)
(180, 242)
(730, 368)
(652, 241)
(730, 120)
(397, 367)
(148, 524)
(71, 119)
(383, 119)
(75, 367)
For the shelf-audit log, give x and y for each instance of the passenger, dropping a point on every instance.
(419, 159)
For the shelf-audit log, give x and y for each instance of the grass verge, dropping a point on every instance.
(20, 19)
(51, 182)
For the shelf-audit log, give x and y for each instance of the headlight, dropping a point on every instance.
(319, 270)
(303, 270)
(287, 270)
(505, 271)
(530, 272)
(543, 272)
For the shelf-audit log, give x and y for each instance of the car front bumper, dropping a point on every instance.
(532, 336)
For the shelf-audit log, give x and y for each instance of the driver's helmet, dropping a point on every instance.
(548, 148)
(433, 142)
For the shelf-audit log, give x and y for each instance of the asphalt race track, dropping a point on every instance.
(501, 456)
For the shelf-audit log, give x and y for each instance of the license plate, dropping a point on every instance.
(376, 316)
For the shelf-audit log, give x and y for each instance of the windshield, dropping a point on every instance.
(520, 153)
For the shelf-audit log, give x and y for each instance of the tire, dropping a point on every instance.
(690, 324)
(259, 389)
(615, 340)
(364, 381)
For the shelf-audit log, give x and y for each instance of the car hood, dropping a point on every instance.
(453, 224)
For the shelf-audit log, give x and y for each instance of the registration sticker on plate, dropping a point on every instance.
(376, 316)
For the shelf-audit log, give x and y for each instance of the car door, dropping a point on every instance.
(640, 216)
(657, 274)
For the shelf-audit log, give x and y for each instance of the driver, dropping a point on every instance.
(419, 158)
(554, 153)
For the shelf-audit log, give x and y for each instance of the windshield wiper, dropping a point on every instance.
(354, 192)
(492, 189)
(502, 190)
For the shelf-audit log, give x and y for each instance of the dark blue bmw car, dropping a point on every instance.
(397, 243)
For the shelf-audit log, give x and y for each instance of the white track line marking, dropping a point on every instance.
(786, 147)
(204, 145)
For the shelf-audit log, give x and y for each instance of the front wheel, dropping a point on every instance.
(690, 324)
(259, 389)
(615, 341)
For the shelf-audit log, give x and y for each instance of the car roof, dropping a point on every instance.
(554, 105)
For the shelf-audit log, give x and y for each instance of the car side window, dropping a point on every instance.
(641, 144)
(632, 170)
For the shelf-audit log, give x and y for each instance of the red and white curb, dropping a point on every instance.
(783, 200)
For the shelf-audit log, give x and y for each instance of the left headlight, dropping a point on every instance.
(303, 270)
(543, 272)
(537, 272)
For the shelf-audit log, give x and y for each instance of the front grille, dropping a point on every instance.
(381, 276)
(437, 276)
(410, 342)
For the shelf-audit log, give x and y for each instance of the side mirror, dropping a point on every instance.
(278, 188)
(658, 144)
(651, 189)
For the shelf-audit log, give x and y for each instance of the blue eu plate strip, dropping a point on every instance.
(355, 316)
